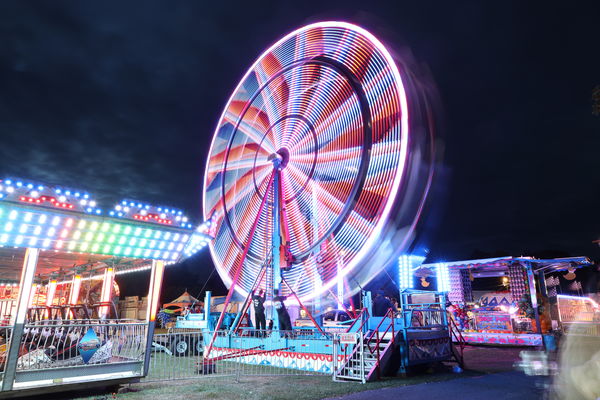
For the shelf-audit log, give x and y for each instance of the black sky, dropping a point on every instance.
(121, 99)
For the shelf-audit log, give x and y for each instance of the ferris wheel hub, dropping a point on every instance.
(280, 158)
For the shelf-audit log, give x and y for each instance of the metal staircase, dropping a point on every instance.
(371, 352)
(457, 342)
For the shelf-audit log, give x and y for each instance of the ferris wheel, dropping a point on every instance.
(311, 165)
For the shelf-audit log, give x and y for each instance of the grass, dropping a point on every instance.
(277, 387)
(280, 387)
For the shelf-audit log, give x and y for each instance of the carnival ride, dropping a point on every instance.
(59, 257)
(532, 308)
(317, 174)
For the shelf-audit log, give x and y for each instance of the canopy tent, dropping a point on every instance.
(185, 300)
(555, 264)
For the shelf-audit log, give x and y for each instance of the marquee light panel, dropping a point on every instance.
(25, 226)
(139, 211)
(54, 197)
(406, 269)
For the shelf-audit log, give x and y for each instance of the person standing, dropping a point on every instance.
(258, 300)
(381, 305)
(285, 324)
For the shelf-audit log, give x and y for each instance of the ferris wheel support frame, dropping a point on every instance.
(239, 270)
(276, 236)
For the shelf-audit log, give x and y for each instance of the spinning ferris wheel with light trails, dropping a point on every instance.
(320, 165)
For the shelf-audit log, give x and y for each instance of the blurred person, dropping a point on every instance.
(258, 300)
(381, 305)
(579, 363)
(285, 324)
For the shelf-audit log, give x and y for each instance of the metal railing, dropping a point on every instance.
(379, 337)
(56, 344)
(180, 355)
(363, 317)
(456, 336)
(5, 336)
(348, 357)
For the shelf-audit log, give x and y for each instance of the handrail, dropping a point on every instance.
(458, 335)
(359, 317)
(456, 332)
(389, 314)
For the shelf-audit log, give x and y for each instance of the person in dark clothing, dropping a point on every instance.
(381, 305)
(285, 324)
(258, 300)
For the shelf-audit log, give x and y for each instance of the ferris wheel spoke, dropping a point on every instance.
(275, 92)
(243, 186)
(336, 124)
(248, 120)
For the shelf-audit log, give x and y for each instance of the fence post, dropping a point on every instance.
(158, 268)
(14, 342)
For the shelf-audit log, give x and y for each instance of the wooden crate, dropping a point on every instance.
(129, 313)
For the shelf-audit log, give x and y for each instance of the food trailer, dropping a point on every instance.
(59, 258)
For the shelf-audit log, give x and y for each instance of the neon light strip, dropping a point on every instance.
(107, 286)
(155, 284)
(50, 293)
(75, 287)
(23, 226)
(29, 266)
(566, 296)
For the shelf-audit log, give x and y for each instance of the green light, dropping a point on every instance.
(105, 227)
(148, 232)
(116, 229)
(77, 235)
(83, 246)
(132, 241)
(89, 236)
(81, 224)
(95, 247)
(127, 251)
(112, 239)
(143, 242)
(127, 230)
(137, 252)
(106, 249)
(138, 231)
(100, 237)
(122, 239)
(94, 226)
(117, 249)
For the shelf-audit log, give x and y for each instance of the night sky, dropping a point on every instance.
(122, 98)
